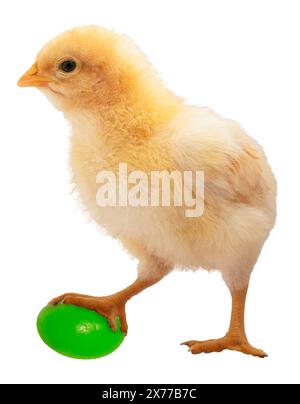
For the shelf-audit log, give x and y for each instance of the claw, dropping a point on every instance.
(61, 298)
(188, 343)
(105, 306)
(218, 345)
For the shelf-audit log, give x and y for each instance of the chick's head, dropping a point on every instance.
(87, 67)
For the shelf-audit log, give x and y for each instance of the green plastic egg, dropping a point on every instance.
(77, 332)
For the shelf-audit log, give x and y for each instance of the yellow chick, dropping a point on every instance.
(121, 112)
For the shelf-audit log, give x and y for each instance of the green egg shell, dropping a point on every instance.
(77, 332)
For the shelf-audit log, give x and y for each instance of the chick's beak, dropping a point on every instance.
(32, 78)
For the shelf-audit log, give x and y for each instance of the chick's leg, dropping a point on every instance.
(235, 339)
(113, 306)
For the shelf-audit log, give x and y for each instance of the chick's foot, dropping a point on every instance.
(228, 342)
(110, 307)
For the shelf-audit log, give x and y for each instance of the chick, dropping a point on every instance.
(120, 111)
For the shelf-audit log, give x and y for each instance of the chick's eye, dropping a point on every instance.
(67, 66)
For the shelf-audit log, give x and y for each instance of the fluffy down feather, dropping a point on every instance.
(120, 111)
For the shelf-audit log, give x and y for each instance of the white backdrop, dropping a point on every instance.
(240, 58)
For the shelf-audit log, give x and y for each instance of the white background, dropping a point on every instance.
(240, 58)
